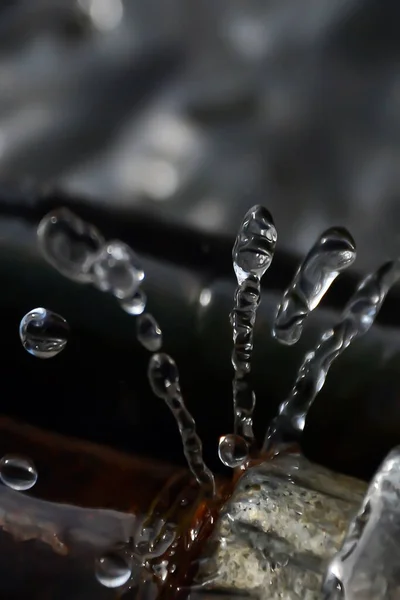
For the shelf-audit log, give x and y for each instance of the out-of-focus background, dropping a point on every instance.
(163, 121)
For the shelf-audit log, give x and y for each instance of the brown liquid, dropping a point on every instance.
(73, 472)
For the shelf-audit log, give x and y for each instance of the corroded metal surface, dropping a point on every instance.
(285, 520)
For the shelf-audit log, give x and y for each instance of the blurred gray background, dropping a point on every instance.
(195, 110)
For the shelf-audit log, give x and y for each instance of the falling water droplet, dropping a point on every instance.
(134, 305)
(233, 450)
(43, 334)
(18, 473)
(255, 244)
(252, 255)
(333, 252)
(116, 269)
(163, 376)
(148, 332)
(113, 569)
(357, 318)
(68, 244)
(164, 380)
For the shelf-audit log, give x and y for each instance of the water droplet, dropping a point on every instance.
(333, 252)
(205, 297)
(252, 255)
(255, 244)
(116, 269)
(18, 473)
(136, 304)
(43, 334)
(113, 569)
(163, 376)
(68, 244)
(164, 380)
(233, 450)
(148, 332)
(357, 318)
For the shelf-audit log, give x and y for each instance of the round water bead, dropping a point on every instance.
(163, 375)
(68, 244)
(134, 305)
(113, 568)
(18, 473)
(233, 450)
(43, 333)
(116, 269)
(148, 332)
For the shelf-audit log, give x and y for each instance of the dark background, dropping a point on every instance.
(162, 122)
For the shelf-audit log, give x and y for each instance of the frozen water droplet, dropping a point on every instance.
(113, 569)
(18, 473)
(255, 244)
(357, 318)
(43, 334)
(116, 269)
(68, 243)
(134, 305)
(233, 450)
(333, 252)
(148, 332)
(164, 380)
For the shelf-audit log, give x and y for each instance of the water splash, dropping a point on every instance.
(116, 269)
(79, 251)
(357, 318)
(233, 450)
(18, 473)
(366, 566)
(113, 568)
(148, 332)
(252, 255)
(43, 333)
(333, 252)
(255, 244)
(164, 380)
(69, 244)
(135, 305)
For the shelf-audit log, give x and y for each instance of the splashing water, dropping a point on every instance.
(366, 566)
(113, 568)
(333, 252)
(18, 473)
(233, 450)
(164, 380)
(68, 244)
(43, 333)
(252, 255)
(358, 316)
(78, 251)
(148, 332)
(255, 244)
(116, 270)
(135, 305)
